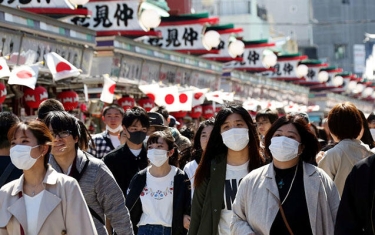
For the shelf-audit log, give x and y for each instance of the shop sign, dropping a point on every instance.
(285, 69)
(179, 37)
(252, 58)
(110, 16)
(168, 74)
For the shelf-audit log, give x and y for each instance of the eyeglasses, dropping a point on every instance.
(61, 134)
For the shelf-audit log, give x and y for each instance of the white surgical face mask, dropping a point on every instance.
(236, 138)
(115, 130)
(21, 158)
(284, 149)
(157, 156)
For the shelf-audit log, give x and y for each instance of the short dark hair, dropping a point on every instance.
(113, 106)
(308, 139)
(344, 121)
(64, 121)
(136, 113)
(47, 106)
(371, 117)
(162, 110)
(7, 120)
(269, 114)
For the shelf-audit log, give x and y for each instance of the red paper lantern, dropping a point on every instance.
(83, 107)
(208, 111)
(196, 111)
(3, 93)
(69, 99)
(33, 98)
(146, 103)
(126, 102)
(179, 114)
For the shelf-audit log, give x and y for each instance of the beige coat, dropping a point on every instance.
(338, 161)
(257, 200)
(62, 211)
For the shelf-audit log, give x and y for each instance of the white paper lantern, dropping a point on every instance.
(149, 19)
(359, 88)
(373, 95)
(367, 91)
(352, 85)
(323, 76)
(236, 48)
(79, 2)
(211, 39)
(338, 81)
(302, 70)
(269, 59)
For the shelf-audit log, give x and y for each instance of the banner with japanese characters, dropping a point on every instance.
(179, 37)
(110, 16)
(285, 69)
(251, 59)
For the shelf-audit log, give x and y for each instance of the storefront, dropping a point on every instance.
(25, 39)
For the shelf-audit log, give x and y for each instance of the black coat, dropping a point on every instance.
(356, 214)
(181, 200)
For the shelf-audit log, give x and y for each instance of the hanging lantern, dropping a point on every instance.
(196, 111)
(83, 107)
(208, 111)
(69, 99)
(33, 98)
(179, 114)
(146, 103)
(126, 102)
(3, 93)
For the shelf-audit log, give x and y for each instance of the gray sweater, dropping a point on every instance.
(102, 193)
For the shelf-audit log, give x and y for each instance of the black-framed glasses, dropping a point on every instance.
(61, 134)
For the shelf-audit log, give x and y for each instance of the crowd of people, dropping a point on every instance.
(232, 174)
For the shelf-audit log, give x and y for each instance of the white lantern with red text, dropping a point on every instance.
(34, 97)
(69, 99)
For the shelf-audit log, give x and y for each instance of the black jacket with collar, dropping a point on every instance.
(124, 165)
(356, 213)
(181, 200)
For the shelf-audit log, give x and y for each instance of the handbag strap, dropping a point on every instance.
(8, 170)
(285, 220)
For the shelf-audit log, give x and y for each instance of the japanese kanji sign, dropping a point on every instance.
(179, 37)
(110, 15)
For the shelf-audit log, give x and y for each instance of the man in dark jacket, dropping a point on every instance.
(125, 161)
(356, 213)
(8, 171)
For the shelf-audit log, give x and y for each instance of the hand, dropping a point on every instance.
(186, 222)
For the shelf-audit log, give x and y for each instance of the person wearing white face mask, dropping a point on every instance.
(289, 195)
(41, 201)
(232, 152)
(108, 140)
(159, 196)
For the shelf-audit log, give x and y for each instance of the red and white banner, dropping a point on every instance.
(108, 90)
(198, 96)
(4, 68)
(60, 68)
(25, 75)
